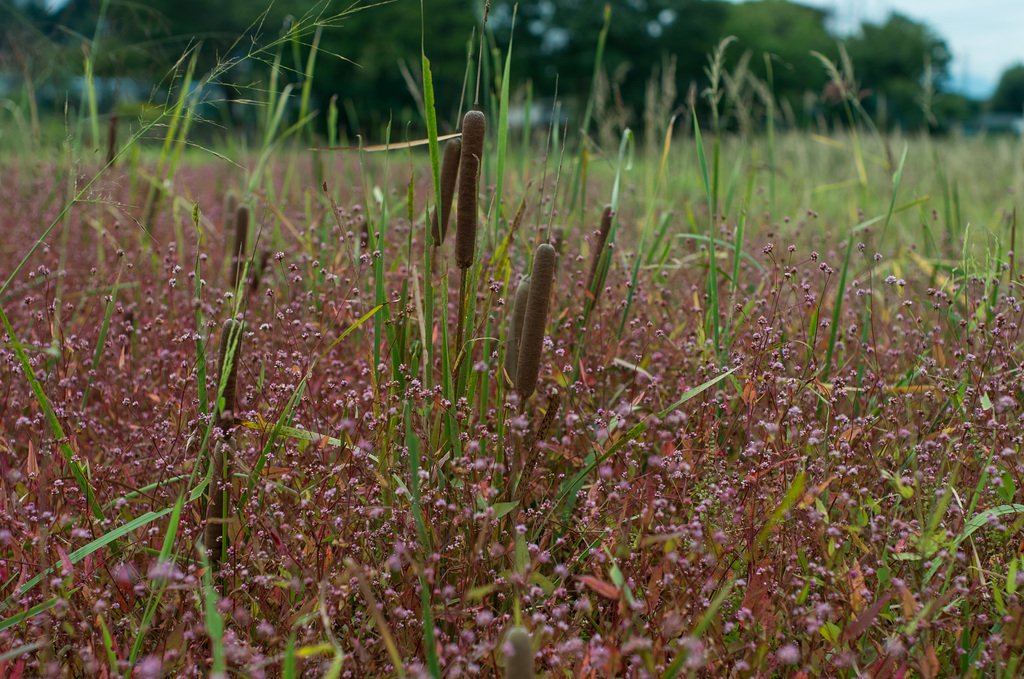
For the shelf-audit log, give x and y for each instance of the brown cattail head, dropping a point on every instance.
(515, 333)
(228, 218)
(474, 125)
(241, 236)
(535, 321)
(518, 651)
(230, 349)
(112, 138)
(449, 175)
(602, 240)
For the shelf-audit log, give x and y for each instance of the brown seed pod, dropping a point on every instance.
(515, 333)
(519, 663)
(602, 240)
(449, 175)
(474, 126)
(536, 320)
(241, 236)
(230, 344)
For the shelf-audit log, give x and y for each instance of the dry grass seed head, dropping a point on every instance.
(474, 126)
(535, 320)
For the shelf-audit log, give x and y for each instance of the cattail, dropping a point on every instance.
(518, 651)
(228, 219)
(535, 320)
(218, 507)
(241, 236)
(112, 137)
(516, 331)
(473, 127)
(602, 240)
(449, 175)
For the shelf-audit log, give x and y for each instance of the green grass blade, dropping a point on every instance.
(90, 548)
(503, 132)
(52, 422)
(648, 224)
(102, 340)
(213, 619)
(712, 254)
(30, 613)
(895, 189)
(588, 114)
(15, 653)
(157, 595)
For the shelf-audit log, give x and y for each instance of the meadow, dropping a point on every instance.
(758, 414)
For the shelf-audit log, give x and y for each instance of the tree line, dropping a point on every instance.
(655, 54)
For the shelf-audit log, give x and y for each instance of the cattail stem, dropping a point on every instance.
(218, 508)
(230, 348)
(519, 483)
(595, 258)
(460, 321)
(533, 452)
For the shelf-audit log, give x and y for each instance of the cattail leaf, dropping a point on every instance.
(474, 126)
(218, 509)
(535, 320)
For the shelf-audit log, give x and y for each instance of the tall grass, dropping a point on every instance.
(811, 472)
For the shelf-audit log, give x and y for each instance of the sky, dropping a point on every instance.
(984, 36)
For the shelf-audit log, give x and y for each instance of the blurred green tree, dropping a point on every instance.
(369, 52)
(894, 61)
(787, 33)
(1009, 94)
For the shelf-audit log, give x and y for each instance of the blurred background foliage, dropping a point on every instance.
(368, 59)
